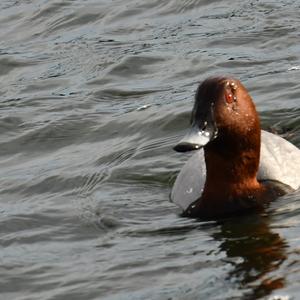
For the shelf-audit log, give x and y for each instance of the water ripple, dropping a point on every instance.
(93, 95)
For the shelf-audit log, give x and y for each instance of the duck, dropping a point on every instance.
(236, 166)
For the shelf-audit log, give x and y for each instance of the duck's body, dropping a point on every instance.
(234, 170)
(279, 161)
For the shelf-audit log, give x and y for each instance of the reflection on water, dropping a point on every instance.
(257, 253)
(93, 95)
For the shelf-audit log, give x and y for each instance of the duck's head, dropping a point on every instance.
(224, 116)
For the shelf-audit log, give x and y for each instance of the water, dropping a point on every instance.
(93, 95)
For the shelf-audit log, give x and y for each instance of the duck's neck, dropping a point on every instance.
(227, 175)
(231, 170)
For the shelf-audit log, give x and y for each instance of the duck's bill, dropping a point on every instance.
(195, 139)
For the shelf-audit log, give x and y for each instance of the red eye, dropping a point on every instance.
(228, 97)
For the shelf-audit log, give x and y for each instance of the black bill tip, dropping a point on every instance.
(185, 147)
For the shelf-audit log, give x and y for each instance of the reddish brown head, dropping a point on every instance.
(224, 119)
(236, 149)
(237, 137)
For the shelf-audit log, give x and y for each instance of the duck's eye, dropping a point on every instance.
(229, 97)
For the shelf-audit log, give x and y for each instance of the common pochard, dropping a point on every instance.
(237, 166)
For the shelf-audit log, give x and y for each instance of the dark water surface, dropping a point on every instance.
(93, 95)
